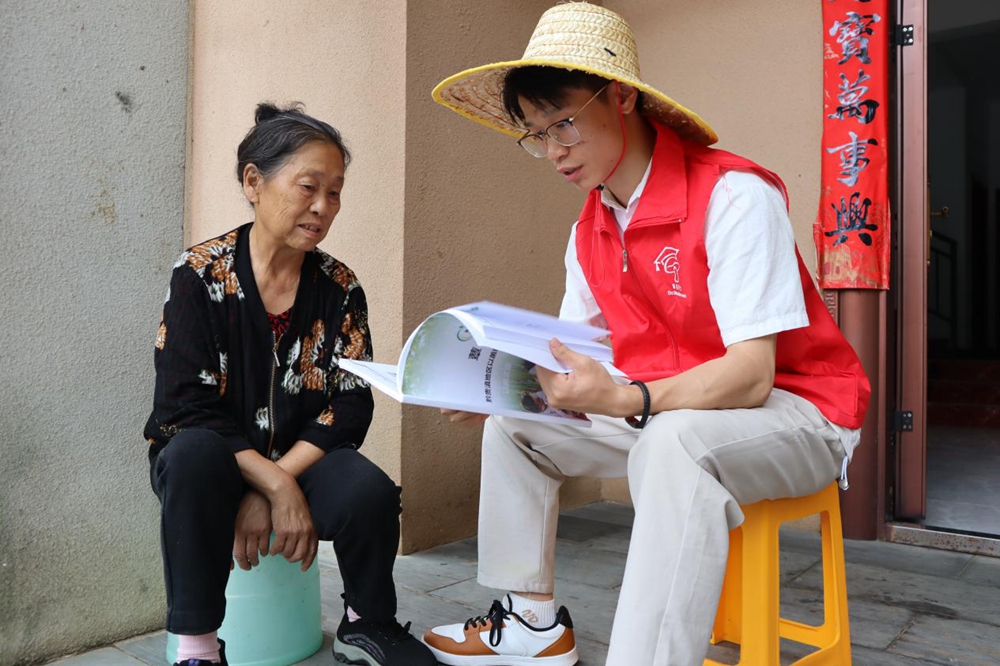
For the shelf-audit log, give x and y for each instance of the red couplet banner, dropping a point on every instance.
(852, 227)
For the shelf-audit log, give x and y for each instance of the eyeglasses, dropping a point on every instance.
(562, 132)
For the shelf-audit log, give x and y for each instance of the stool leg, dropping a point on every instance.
(833, 637)
(761, 644)
(729, 616)
(836, 622)
(753, 585)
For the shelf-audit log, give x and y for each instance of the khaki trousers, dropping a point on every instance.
(688, 473)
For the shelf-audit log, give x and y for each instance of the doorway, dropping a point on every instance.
(963, 269)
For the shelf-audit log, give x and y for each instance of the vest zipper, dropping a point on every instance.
(270, 398)
(673, 340)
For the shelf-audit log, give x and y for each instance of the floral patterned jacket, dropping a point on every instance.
(219, 367)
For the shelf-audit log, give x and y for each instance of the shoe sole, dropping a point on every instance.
(567, 659)
(350, 654)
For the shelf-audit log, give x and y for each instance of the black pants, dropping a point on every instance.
(353, 503)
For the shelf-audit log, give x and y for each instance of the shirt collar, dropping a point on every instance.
(611, 202)
(666, 200)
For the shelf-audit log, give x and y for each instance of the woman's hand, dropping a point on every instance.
(253, 530)
(289, 517)
(294, 535)
(588, 388)
(464, 418)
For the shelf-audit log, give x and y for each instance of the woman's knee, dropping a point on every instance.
(197, 456)
(376, 493)
(348, 484)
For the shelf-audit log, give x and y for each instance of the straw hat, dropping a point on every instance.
(574, 35)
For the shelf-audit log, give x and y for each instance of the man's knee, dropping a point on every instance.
(501, 435)
(503, 432)
(674, 439)
(495, 430)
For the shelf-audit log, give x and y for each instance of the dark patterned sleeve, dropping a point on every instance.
(345, 421)
(191, 370)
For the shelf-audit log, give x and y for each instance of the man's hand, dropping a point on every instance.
(464, 418)
(294, 535)
(253, 530)
(588, 388)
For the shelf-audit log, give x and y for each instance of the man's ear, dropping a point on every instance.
(628, 96)
(252, 180)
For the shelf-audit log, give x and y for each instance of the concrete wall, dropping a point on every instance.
(92, 107)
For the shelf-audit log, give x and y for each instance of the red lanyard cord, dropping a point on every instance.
(621, 117)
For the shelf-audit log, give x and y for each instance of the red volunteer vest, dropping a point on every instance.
(653, 289)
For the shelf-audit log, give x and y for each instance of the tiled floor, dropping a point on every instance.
(908, 605)
(963, 469)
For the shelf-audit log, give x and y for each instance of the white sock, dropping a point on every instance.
(351, 615)
(202, 646)
(539, 614)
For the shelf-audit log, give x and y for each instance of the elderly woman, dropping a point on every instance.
(254, 428)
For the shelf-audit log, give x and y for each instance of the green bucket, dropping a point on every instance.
(273, 615)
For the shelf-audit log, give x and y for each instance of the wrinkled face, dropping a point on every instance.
(587, 163)
(297, 204)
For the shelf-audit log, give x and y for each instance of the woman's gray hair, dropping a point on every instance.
(278, 133)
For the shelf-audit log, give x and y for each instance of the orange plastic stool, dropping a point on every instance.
(749, 611)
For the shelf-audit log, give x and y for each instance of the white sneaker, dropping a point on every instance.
(504, 638)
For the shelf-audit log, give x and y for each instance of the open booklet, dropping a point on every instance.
(481, 358)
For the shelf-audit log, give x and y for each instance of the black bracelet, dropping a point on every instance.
(631, 420)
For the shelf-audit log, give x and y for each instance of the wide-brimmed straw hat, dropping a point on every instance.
(574, 35)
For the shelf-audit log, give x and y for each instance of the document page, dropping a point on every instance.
(445, 363)
(527, 334)
(380, 375)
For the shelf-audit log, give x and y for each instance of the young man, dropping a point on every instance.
(743, 387)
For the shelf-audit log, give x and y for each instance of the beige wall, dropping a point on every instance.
(754, 71)
(346, 61)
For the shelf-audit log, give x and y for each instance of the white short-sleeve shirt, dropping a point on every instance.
(753, 282)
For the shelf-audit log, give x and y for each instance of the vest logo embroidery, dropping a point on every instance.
(669, 263)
